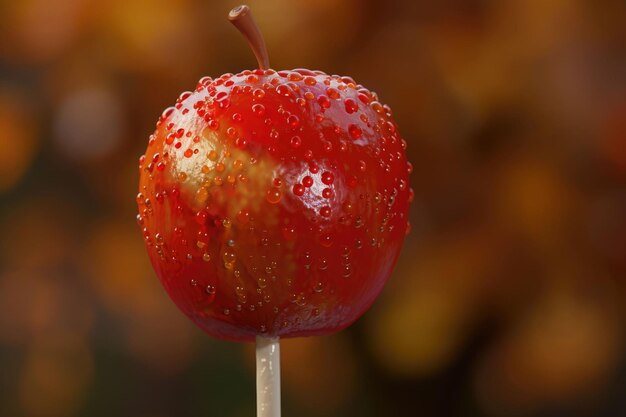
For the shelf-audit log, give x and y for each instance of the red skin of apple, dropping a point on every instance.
(274, 203)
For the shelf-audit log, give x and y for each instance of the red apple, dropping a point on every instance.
(274, 203)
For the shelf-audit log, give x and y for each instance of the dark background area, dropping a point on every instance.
(509, 299)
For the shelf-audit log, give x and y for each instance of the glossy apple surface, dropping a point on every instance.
(274, 203)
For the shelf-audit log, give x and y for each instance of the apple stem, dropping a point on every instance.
(241, 17)
(267, 376)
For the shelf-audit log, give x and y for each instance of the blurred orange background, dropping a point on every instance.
(509, 299)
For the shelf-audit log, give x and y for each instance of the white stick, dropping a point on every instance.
(267, 376)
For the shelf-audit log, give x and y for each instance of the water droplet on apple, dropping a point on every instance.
(296, 142)
(258, 109)
(351, 106)
(284, 90)
(347, 271)
(328, 178)
(323, 101)
(355, 131)
(273, 195)
(333, 93)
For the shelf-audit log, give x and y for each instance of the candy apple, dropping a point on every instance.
(274, 203)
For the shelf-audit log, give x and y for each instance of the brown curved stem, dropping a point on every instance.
(241, 17)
